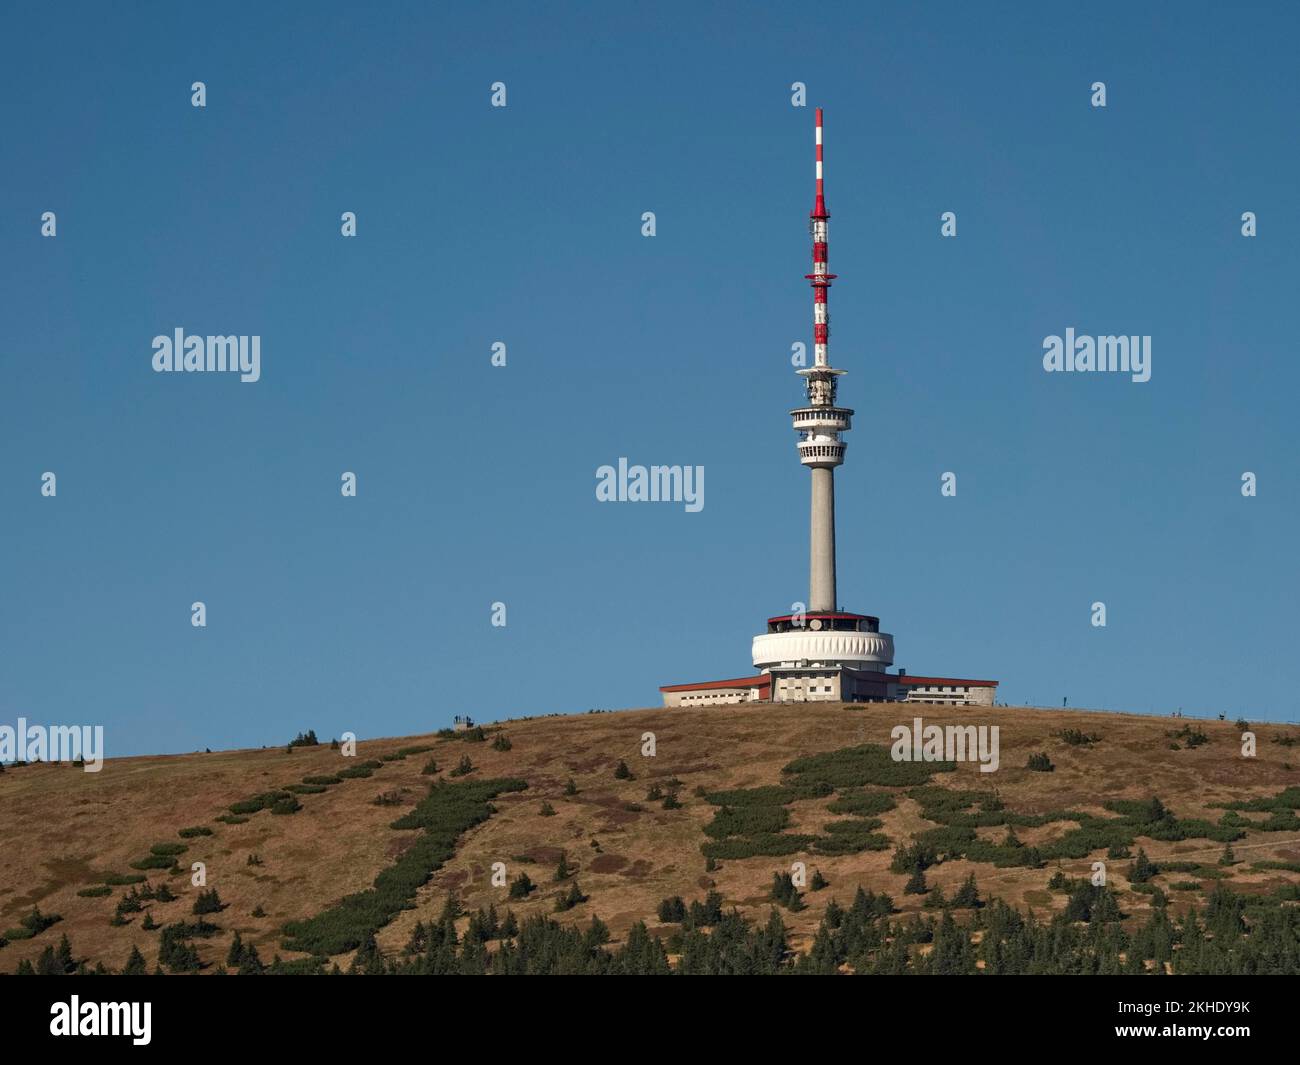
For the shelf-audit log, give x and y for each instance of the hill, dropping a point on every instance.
(294, 840)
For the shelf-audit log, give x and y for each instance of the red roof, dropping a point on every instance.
(826, 614)
(761, 681)
(928, 681)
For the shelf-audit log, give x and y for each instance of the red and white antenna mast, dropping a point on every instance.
(821, 280)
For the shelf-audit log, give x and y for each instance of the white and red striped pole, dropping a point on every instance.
(820, 278)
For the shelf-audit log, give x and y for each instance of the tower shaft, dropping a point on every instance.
(821, 565)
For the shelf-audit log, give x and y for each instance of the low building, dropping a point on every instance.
(798, 684)
(716, 692)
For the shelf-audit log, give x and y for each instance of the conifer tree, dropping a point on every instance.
(64, 956)
(236, 953)
(208, 902)
(249, 963)
(968, 896)
(1142, 869)
(135, 964)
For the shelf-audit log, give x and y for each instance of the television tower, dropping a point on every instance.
(823, 653)
(820, 423)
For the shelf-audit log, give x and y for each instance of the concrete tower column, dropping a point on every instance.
(821, 582)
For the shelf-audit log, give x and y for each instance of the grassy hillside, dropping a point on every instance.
(297, 859)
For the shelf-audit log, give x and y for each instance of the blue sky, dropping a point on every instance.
(523, 225)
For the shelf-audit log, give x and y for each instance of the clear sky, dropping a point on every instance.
(522, 224)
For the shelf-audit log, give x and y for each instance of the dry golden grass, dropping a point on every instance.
(62, 828)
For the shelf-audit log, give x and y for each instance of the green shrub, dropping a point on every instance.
(767, 845)
(442, 816)
(1289, 867)
(672, 911)
(356, 772)
(418, 748)
(97, 892)
(918, 855)
(862, 803)
(232, 819)
(1191, 735)
(324, 780)
(155, 861)
(747, 821)
(1040, 763)
(852, 836)
(168, 848)
(851, 767)
(32, 925)
(477, 734)
(208, 902)
(123, 879)
(129, 903)
(195, 830)
(771, 795)
(568, 900)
